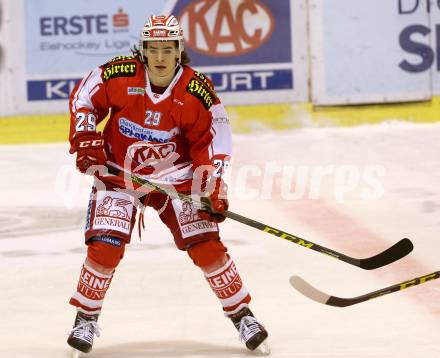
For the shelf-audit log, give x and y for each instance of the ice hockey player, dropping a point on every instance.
(166, 122)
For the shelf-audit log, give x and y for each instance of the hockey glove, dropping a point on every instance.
(89, 149)
(215, 205)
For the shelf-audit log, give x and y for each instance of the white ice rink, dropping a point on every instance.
(382, 183)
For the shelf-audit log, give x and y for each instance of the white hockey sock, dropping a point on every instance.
(228, 287)
(91, 289)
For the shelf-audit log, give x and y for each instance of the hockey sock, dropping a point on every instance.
(91, 289)
(228, 286)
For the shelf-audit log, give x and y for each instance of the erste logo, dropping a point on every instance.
(83, 24)
(120, 19)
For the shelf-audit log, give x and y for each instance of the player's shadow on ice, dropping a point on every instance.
(170, 349)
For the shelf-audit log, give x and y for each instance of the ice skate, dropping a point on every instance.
(75, 353)
(251, 332)
(83, 332)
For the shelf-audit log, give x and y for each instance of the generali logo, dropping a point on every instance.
(188, 214)
(113, 207)
(225, 27)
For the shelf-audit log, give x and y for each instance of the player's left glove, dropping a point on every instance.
(215, 205)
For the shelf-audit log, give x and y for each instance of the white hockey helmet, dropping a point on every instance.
(162, 28)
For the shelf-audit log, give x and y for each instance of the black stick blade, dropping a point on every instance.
(393, 253)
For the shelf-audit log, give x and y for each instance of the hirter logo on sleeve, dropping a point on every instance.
(205, 81)
(123, 69)
(203, 93)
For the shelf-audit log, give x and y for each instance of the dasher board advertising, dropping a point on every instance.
(257, 48)
(369, 52)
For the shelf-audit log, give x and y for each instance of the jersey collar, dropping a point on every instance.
(155, 97)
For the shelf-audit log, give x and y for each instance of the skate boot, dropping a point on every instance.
(84, 329)
(252, 332)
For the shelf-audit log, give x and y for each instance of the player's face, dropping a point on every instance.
(161, 56)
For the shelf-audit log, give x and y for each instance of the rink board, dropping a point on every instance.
(244, 119)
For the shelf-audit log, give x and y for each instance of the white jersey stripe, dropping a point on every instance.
(83, 97)
(84, 80)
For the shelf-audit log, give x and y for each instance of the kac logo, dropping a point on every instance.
(149, 154)
(226, 28)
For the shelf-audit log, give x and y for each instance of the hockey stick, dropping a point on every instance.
(314, 294)
(393, 253)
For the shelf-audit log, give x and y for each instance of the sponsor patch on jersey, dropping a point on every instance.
(220, 120)
(219, 115)
(123, 69)
(136, 90)
(136, 131)
(147, 152)
(120, 58)
(202, 92)
(205, 81)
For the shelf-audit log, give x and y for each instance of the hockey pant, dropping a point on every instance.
(110, 221)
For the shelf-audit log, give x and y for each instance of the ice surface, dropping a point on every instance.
(380, 183)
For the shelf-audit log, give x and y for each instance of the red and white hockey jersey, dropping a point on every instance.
(164, 137)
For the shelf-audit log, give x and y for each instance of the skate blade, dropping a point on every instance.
(75, 353)
(263, 348)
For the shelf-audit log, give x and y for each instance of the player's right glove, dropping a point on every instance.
(89, 149)
(216, 203)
